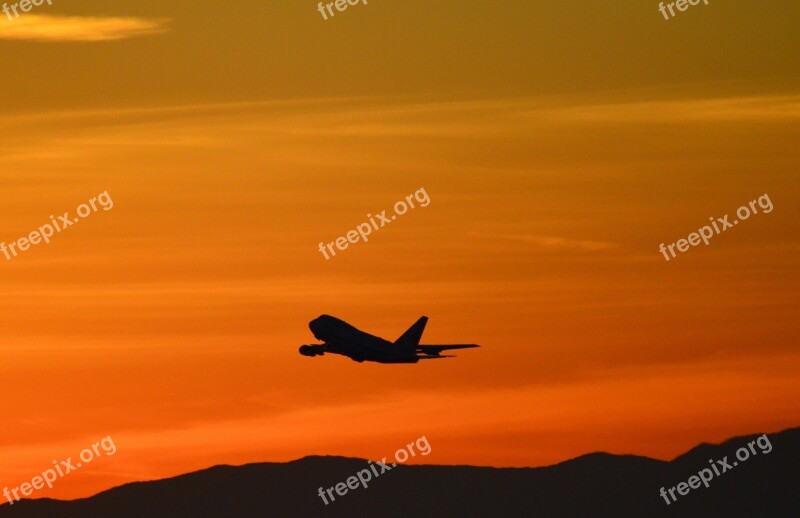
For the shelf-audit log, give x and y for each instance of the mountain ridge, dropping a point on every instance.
(593, 484)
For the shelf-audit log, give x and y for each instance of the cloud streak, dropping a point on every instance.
(32, 27)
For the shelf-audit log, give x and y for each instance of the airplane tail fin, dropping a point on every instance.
(410, 339)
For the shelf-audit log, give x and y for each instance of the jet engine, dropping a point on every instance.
(312, 350)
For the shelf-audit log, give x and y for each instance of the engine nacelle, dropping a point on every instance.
(312, 350)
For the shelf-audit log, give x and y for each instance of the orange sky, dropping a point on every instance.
(172, 321)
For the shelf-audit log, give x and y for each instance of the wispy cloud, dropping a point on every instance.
(35, 27)
(555, 242)
(764, 108)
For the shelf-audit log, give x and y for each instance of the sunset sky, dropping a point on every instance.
(560, 144)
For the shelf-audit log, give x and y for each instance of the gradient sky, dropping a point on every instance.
(560, 144)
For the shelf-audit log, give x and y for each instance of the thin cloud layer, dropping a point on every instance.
(34, 27)
(560, 242)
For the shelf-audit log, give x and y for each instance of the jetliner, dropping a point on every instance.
(339, 337)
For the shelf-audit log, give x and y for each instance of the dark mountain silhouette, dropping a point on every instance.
(594, 485)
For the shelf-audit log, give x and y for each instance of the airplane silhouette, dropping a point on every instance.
(339, 337)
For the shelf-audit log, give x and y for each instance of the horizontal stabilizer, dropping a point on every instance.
(434, 350)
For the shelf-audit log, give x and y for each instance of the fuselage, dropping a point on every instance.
(339, 337)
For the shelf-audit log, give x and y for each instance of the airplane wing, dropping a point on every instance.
(434, 350)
